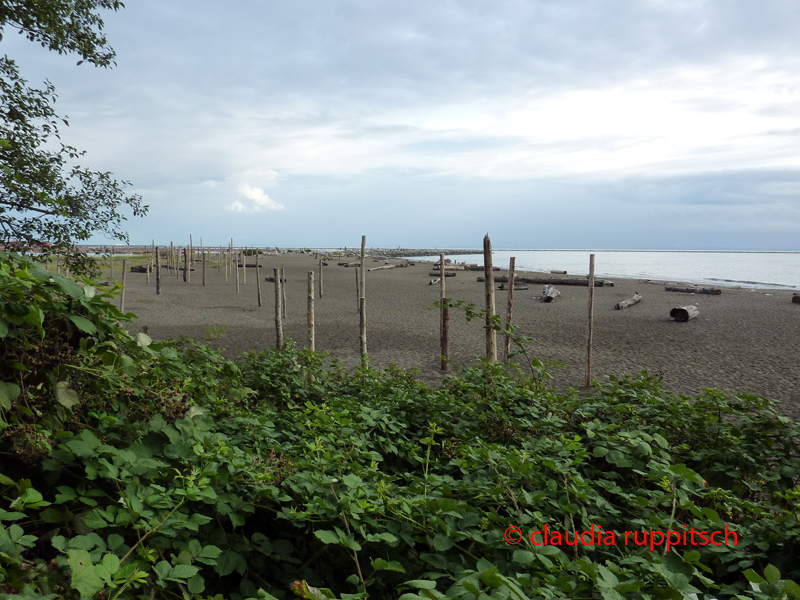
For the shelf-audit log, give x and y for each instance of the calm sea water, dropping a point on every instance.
(777, 270)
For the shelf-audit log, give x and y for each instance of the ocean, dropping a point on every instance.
(767, 270)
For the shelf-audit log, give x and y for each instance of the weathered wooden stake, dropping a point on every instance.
(278, 325)
(111, 260)
(219, 263)
(185, 265)
(244, 266)
(149, 269)
(320, 278)
(311, 340)
(444, 318)
(122, 292)
(283, 292)
(236, 261)
(191, 254)
(203, 252)
(362, 301)
(509, 308)
(591, 322)
(170, 256)
(258, 281)
(491, 334)
(358, 292)
(158, 271)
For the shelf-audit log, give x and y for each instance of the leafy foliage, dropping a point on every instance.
(166, 470)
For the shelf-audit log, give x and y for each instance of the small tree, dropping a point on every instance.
(47, 200)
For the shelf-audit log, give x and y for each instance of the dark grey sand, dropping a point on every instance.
(743, 340)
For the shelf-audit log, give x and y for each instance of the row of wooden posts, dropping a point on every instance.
(229, 256)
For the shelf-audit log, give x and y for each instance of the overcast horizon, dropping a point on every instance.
(659, 124)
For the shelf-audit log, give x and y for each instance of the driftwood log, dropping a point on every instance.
(692, 289)
(558, 272)
(553, 281)
(434, 281)
(637, 297)
(549, 292)
(683, 313)
(141, 269)
(271, 278)
(503, 286)
(385, 267)
(796, 298)
(446, 274)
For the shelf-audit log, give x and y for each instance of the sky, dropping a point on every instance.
(623, 124)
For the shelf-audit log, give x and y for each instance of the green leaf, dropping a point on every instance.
(792, 589)
(326, 536)
(230, 561)
(196, 584)
(183, 572)
(3, 328)
(115, 541)
(752, 576)
(380, 564)
(143, 339)
(84, 575)
(8, 393)
(65, 395)
(422, 584)
(90, 291)
(442, 543)
(772, 574)
(83, 324)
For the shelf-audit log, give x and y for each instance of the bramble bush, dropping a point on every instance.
(141, 469)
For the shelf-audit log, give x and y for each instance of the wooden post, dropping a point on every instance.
(219, 263)
(491, 334)
(203, 252)
(258, 281)
(170, 256)
(362, 300)
(311, 340)
(122, 293)
(278, 325)
(236, 261)
(509, 307)
(177, 263)
(320, 278)
(591, 322)
(150, 268)
(185, 265)
(283, 292)
(188, 277)
(111, 260)
(444, 319)
(358, 292)
(158, 272)
(244, 266)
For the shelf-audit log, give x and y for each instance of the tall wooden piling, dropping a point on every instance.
(177, 263)
(591, 322)
(111, 262)
(509, 308)
(358, 292)
(203, 252)
(362, 301)
(219, 263)
(283, 292)
(244, 266)
(122, 292)
(278, 324)
(258, 281)
(311, 338)
(320, 278)
(236, 264)
(158, 272)
(491, 334)
(444, 318)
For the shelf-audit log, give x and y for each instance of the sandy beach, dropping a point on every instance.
(743, 340)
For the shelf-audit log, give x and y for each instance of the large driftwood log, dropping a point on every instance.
(637, 297)
(683, 313)
(504, 286)
(796, 298)
(450, 267)
(140, 268)
(553, 281)
(272, 279)
(385, 267)
(692, 289)
(446, 274)
(549, 293)
(558, 272)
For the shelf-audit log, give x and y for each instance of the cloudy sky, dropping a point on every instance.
(652, 124)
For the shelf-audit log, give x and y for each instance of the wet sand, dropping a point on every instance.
(743, 340)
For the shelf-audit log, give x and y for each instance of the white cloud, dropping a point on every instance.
(261, 201)
(235, 206)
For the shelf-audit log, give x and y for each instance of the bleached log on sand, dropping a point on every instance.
(637, 297)
(684, 313)
(549, 293)
(384, 267)
(558, 272)
(434, 281)
(554, 281)
(437, 274)
(692, 289)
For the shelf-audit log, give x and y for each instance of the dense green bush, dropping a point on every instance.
(140, 469)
